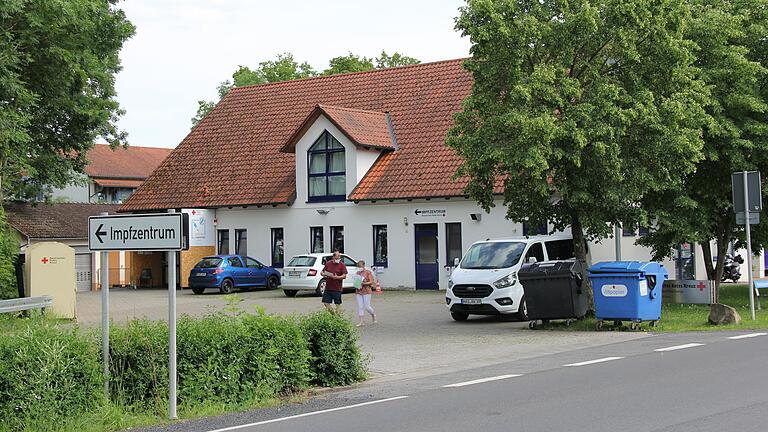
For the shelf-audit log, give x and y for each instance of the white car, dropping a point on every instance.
(302, 273)
(485, 280)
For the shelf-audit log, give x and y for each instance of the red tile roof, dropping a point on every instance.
(126, 163)
(54, 221)
(363, 128)
(118, 183)
(233, 156)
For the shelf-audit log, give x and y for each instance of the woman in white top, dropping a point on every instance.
(364, 284)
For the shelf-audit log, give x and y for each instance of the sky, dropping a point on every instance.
(183, 49)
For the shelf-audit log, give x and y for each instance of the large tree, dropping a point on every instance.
(58, 60)
(285, 68)
(732, 56)
(577, 109)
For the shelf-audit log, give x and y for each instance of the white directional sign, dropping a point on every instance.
(144, 232)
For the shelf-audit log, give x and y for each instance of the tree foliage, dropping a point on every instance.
(732, 57)
(578, 109)
(286, 68)
(58, 60)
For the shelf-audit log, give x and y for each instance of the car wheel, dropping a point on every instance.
(198, 290)
(272, 282)
(320, 287)
(227, 286)
(290, 293)
(459, 316)
(522, 311)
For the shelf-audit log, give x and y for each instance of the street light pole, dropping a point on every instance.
(749, 247)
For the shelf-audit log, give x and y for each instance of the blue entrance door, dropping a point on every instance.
(427, 269)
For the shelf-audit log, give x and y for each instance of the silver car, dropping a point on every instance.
(302, 273)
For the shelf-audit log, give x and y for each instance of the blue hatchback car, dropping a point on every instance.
(227, 272)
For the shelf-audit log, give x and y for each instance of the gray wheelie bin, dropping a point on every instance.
(553, 291)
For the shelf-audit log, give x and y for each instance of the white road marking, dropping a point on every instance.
(745, 336)
(679, 347)
(231, 428)
(481, 380)
(600, 360)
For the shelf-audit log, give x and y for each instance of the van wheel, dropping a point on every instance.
(459, 316)
(290, 293)
(198, 290)
(320, 287)
(227, 286)
(522, 310)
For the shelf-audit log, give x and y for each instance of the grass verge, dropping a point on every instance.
(685, 318)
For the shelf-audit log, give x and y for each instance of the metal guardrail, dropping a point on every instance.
(26, 303)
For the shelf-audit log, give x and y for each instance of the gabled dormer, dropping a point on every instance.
(335, 147)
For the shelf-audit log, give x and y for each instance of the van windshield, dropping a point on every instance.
(493, 255)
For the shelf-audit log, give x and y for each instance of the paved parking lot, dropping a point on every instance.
(415, 335)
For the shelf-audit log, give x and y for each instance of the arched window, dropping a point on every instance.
(326, 170)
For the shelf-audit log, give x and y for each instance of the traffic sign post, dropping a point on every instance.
(748, 200)
(166, 232)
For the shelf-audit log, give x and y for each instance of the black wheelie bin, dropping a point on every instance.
(553, 291)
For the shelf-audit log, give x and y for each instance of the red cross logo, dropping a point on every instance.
(44, 260)
(701, 286)
(194, 212)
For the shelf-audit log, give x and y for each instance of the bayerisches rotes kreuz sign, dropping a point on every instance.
(142, 232)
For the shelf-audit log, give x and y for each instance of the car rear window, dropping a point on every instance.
(302, 261)
(208, 263)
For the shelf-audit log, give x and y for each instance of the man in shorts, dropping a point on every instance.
(335, 272)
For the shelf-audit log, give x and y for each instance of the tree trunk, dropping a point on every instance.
(706, 250)
(580, 250)
(723, 238)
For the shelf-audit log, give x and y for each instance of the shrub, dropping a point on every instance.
(139, 365)
(220, 359)
(48, 374)
(336, 358)
(9, 254)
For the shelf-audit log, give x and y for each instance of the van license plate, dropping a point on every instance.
(293, 274)
(471, 301)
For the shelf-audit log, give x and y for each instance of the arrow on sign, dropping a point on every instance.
(417, 212)
(100, 233)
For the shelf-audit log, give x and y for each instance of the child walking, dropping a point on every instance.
(364, 284)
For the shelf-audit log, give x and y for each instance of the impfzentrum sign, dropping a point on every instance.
(144, 232)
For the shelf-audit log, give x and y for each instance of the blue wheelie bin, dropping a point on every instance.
(627, 291)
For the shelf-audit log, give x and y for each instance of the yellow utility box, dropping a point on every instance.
(50, 270)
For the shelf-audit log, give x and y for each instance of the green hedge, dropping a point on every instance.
(49, 373)
(336, 358)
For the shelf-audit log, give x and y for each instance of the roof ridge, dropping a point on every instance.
(372, 71)
(322, 106)
(134, 146)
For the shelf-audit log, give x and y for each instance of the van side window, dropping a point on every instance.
(535, 251)
(560, 249)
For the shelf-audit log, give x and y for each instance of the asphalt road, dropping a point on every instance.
(682, 382)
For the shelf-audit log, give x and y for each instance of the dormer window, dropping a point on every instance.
(326, 170)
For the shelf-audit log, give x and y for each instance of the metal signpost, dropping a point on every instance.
(167, 232)
(748, 202)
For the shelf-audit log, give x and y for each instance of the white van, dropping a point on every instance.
(485, 280)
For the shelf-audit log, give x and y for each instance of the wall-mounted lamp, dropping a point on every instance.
(405, 221)
(323, 211)
(477, 217)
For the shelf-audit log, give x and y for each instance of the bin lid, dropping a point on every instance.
(549, 268)
(626, 267)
